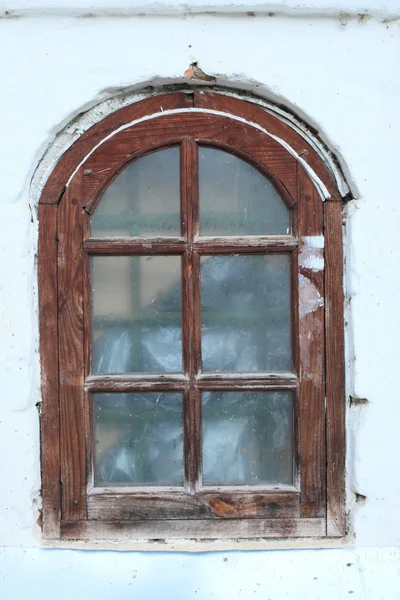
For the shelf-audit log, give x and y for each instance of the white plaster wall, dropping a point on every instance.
(342, 74)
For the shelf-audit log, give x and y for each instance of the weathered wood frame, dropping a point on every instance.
(317, 508)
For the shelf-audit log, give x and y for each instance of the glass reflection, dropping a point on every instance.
(236, 199)
(143, 200)
(137, 314)
(138, 439)
(245, 313)
(247, 438)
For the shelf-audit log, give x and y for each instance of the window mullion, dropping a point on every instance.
(190, 306)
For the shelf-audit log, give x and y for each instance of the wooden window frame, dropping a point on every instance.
(72, 509)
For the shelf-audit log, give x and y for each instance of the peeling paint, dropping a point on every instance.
(312, 252)
(360, 497)
(309, 297)
(355, 401)
(196, 74)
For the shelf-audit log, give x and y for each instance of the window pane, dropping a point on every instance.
(143, 200)
(138, 439)
(247, 438)
(245, 313)
(137, 320)
(236, 199)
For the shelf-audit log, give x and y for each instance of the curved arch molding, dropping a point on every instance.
(158, 106)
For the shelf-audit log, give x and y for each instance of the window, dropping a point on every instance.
(191, 329)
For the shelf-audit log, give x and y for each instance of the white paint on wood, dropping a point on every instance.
(309, 297)
(311, 254)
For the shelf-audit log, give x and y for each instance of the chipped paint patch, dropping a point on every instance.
(309, 296)
(311, 329)
(312, 252)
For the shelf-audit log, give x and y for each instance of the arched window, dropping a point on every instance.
(191, 329)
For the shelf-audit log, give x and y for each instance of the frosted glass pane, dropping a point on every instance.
(247, 438)
(137, 317)
(138, 439)
(143, 200)
(245, 313)
(236, 199)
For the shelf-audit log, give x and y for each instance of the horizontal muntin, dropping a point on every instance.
(125, 382)
(178, 245)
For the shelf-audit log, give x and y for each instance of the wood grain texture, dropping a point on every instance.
(246, 245)
(134, 382)
(335, 379)
(49, 421)
(311, 351)
(273, 125)
(204, 505)
(71, 352)
(209, 513)
(88, 140)
(130, 246)
(246, 381)
(190, 301)
(127, 531)
(87, 352)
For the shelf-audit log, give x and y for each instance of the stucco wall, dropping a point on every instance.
(337, 71)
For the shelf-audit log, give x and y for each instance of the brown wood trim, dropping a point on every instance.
(131, 382)
(71, 352)
(88, 140)
(128, 531)
(190, 223)
(197, 435)
(196, 400)
(256, 114)
(132, 246)
(246, 381)
(335, 377)
(48, 331)
(87, 352)
(246, 245)
(203, 505)
(187, 441)
(311, 347)
(87, 299)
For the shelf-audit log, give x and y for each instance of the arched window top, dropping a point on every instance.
(235, 198)
(196, 313)
(143, 200)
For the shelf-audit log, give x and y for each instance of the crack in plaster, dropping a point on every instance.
(343, 13)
